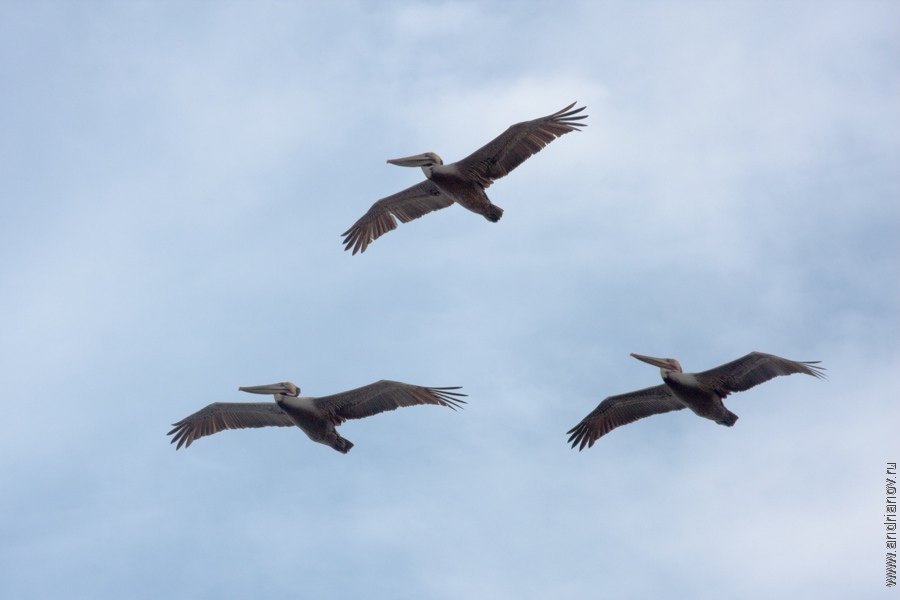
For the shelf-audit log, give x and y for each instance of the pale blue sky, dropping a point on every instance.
(174, 178)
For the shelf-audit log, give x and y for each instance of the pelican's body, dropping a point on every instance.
(462, 182)
(317, 417)
(314, 423)
(701, 392)
(465, 190)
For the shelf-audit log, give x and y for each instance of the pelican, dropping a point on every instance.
(317, 417)
(700, 392)
(462, 182)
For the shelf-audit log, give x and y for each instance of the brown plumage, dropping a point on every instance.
(701, 392)
(462, 182)
(317, 417)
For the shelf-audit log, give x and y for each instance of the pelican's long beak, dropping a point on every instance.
(663, 363)
(419, 160)
(285, 388)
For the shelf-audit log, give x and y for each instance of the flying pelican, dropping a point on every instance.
(317, 417)
(462, 182)
(700, 392)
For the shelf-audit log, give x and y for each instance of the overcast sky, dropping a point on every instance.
(174, 179)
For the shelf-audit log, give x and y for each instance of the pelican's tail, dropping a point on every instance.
(729, 419)
(341, 445)
(494, 213)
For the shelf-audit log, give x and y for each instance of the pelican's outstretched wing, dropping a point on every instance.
(227, 415)
(752, 370)
(519, 143)
(623, 409)
(411, 203)
(385, 395)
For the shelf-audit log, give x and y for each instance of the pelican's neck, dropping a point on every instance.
(427, 169)
(298, 402)
(685, 379)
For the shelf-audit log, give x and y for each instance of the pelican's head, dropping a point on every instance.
(427, 161)
(285, 388)
(666, 365)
